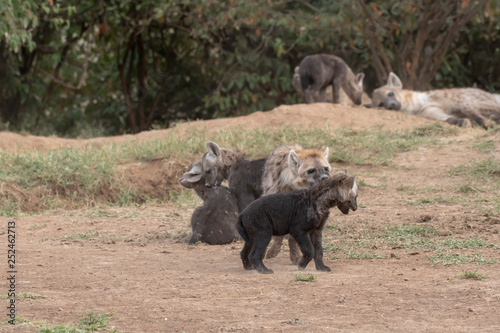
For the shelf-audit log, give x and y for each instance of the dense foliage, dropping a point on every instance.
(103, 67)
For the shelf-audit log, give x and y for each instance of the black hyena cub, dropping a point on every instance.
(300, 213)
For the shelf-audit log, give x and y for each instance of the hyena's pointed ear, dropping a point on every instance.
(326, 153)
(359, 79)
(293, 160)
(394, 81)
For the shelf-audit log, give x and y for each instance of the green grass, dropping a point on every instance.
(471, 275)
(351, 243)
(92, 322)
(308, 277)
(77, 178)
(457, 259)
(27, 295)
(84, 235)
(38, 226)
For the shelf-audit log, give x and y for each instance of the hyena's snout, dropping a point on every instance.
(392, 105)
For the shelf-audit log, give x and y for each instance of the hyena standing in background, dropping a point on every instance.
(291, 168)
(456, 106)
(343, 98)
(318, 71)
(244, 176)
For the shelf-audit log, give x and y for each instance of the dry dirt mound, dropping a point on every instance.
(313, 116)
(135, 261)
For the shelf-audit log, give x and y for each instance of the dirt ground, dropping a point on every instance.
(135, 262)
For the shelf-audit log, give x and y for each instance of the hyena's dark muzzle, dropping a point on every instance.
(390, 102)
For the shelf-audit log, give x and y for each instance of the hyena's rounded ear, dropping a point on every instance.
(394, 81)
(193, 175)
(296, 70)
(185, 183)
(213, 149)
(359, 79)
(293, 160)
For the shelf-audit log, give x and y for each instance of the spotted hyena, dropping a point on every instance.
(318, 71)
(457, 106)
(291, 168)
(301, 213)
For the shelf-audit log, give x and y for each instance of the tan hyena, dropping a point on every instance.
(318, 71)
(343, 98)
(291, 168)
(457, 106)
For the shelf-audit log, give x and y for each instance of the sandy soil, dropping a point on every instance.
(136, 262)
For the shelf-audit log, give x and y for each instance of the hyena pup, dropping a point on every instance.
(343, 98)
(301, 213)
(456, 106)
(244, 176)
(291, 168)
(318, 71)
(215, 221)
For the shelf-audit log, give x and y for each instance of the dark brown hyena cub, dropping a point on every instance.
(215, 221)
(300, 213)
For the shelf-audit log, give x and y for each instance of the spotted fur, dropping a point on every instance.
(291, 168)
(457, 106)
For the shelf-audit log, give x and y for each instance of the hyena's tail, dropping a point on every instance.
(241, 230)
(304, 80)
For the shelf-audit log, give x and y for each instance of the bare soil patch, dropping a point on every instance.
(135, 262)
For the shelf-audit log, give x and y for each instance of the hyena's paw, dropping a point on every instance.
(466, 123)
(247, 265)
(323, 268)
(265, 271)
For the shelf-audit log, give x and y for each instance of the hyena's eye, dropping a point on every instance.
(311, 171)
(390, 94)
(327, 169)
(208, 171)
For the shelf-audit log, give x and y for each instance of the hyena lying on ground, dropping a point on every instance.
(343, 98)
(214, 222)
(318, 71)
(301, 213)
(244, 176)
(291, 168)
(457, 106)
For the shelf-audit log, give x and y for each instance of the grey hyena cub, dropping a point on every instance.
(244, 176)
(318, 71)
(215, 221)
(301, 213)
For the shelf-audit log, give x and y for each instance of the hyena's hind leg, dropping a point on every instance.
(295, 253)
(261, 241)
(275, 247)
(244, 256)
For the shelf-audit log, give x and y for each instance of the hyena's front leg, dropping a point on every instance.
(322, 95)
(317, 240)
(336, 83)
(436, 113)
